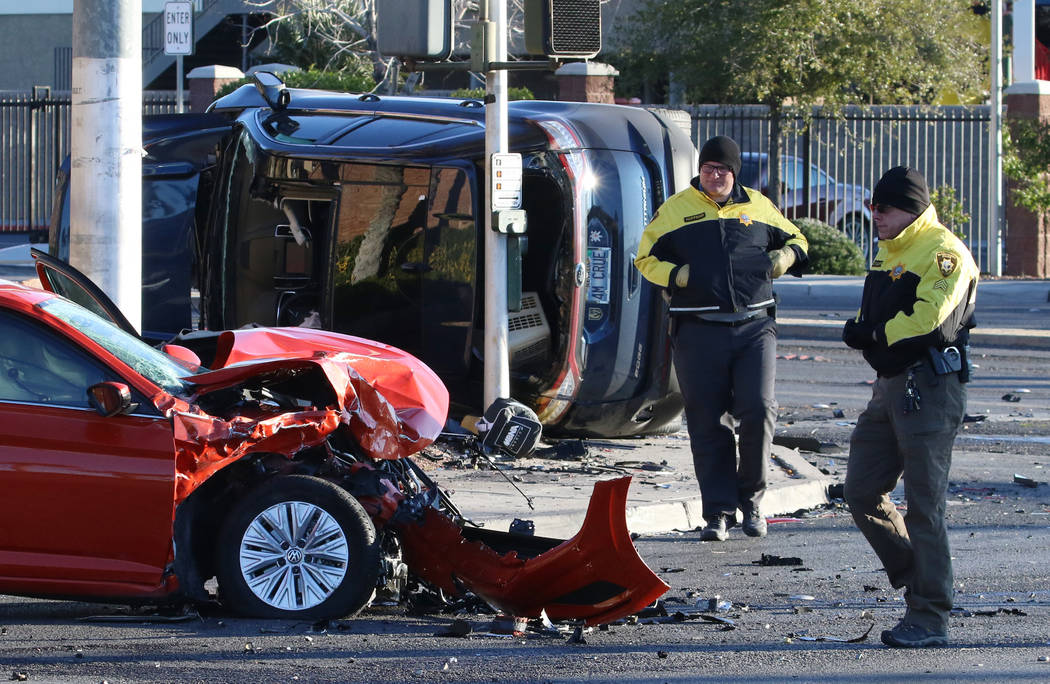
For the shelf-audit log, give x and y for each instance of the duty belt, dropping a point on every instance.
(730, 320)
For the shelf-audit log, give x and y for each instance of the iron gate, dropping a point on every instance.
(34, 139)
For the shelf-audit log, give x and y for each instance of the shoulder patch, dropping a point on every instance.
(947, 263)
(695, 217)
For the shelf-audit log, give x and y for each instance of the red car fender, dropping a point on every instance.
(596, 576)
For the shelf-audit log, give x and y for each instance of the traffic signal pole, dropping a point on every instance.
(105, 230)
(493, 17)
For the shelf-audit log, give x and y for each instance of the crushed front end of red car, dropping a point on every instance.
(369, 407)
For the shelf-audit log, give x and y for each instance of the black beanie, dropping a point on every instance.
(722, 150)
(904, 188)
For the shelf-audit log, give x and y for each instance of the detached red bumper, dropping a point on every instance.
(596, 576)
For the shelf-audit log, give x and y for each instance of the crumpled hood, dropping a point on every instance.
(392, 403)
(413, 391)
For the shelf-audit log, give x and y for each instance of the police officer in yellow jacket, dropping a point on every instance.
(717, 246)
(913, 326)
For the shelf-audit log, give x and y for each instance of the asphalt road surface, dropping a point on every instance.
(815, 621)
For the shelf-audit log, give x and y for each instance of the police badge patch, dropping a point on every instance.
(947, 262)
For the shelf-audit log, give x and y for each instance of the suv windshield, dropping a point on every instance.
(152, 364)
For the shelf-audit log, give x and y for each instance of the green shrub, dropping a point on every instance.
(339, 81)
(479, 94)
(830, 252)
(950, 210)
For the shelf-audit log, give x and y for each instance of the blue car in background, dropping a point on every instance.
(841, 205)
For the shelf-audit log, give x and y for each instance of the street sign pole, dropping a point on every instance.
(493, 16)
(179, 108)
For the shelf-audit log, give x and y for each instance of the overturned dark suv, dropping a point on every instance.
(364, 215)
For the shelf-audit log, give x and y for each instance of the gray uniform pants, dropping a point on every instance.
(886, 444)
(727, 373)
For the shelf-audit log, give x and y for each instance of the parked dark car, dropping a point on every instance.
(364, 215)
(838, 204)
(283, 469)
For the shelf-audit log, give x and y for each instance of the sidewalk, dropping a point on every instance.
(1011, 312)
(664, 494)
(790, 327)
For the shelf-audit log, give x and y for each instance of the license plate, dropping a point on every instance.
(598, 276)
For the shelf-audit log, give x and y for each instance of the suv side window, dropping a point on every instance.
(37, 366)
(378, 254)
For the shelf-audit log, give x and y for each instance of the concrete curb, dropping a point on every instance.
(831, 329)
(794, 484)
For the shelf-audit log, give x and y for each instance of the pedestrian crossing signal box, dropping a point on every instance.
(563, 28)
(415, 29)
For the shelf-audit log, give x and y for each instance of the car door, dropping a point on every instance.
(87, 500)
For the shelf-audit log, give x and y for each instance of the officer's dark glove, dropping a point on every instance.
(858, 335)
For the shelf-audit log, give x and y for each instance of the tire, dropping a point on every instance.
(263, 572)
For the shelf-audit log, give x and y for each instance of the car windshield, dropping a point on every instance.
(151, 363)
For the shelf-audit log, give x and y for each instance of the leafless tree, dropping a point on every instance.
(332, 34)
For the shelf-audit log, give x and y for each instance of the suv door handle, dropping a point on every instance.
(415, 267)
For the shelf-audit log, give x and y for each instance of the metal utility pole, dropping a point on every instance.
(105, 232)
(492, 15)
(995, 145)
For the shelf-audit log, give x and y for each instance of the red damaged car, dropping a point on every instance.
(282, 469)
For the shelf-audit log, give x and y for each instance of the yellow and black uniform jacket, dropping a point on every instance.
(726, 248)
(920, 293)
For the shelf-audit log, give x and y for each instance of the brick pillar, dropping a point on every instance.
(1027, 240)
(586, 82)
(205, 81)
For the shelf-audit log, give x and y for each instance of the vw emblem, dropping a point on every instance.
(294, 555)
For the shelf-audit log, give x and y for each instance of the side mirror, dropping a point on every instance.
(109, 398)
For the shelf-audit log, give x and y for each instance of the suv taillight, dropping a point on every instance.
(557, 400)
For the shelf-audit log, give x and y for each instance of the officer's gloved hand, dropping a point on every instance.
(681, 279)
(783, 259)
(858, 335)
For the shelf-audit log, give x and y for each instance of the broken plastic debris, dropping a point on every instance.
(457, 628)
(975, 418)
(1011, 397)
(524, 527)
(508, 624)
(802, 597)
(1025, 481)
(770, 559)
(841, 640)
(715, 604)
(568, 449)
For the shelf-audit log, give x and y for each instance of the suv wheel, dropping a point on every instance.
(297, 547)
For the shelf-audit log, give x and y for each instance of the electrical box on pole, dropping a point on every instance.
(563, 28)
(414, 29)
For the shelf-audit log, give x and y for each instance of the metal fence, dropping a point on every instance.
(34, 139)
(949, 144)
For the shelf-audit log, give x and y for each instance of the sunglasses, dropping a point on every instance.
(713, 169)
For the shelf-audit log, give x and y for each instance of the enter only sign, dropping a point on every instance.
(178, 28)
